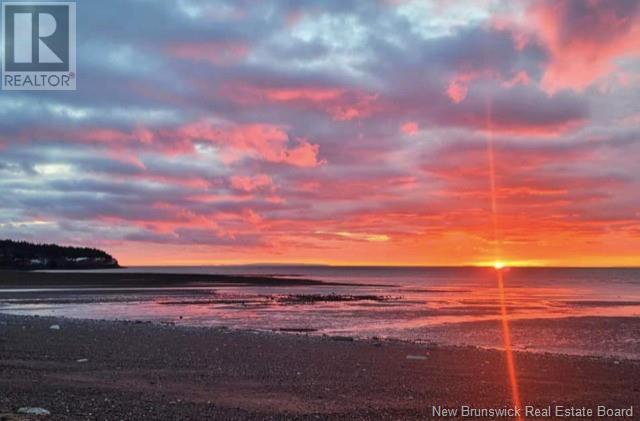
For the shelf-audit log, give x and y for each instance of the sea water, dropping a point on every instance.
(573, 311)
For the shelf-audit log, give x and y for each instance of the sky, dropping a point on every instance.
(338, 132)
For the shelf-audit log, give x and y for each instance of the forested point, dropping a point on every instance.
(25, 255)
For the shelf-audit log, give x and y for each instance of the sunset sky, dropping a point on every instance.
(336, 132)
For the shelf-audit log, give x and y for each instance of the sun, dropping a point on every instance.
(498, 265)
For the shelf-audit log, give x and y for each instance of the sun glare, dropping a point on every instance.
(498, 265)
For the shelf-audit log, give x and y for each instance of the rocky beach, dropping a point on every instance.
(117, 370)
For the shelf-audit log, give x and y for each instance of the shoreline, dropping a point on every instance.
(11, 279)
(609, 358)
(166, 297)
(611, 337)
(144, 370)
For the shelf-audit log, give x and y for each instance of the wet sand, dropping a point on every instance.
(143, 371)
(78, 279)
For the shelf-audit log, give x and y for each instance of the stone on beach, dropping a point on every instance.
(416, 357)
(30, 410)
(136, 371)
(54, 327)
(342, 338)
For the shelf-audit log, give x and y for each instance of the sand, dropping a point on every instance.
(113, 279)
(105, 370)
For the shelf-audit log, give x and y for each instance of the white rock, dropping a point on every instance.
(416, 357)
(82, 360)
(54, 327)
(33, 411)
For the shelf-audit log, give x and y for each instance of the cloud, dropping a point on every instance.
(249, 184)
(357, 236)
(196, 236)
(214, 52)
(266, 141)
(410, 128)
(291, 130)
(585, 38)
(340, 104)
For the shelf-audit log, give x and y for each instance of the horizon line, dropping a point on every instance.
(329, 265)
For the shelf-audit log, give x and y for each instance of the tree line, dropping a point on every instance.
(25, 255)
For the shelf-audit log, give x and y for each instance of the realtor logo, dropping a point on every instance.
(39, 45)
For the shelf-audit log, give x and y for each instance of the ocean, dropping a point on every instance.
(559, 310)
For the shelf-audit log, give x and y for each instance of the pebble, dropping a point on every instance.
(416, 357)
(54, 327)
(343, 338)
(33, 411)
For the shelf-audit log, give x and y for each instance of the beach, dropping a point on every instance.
(106, 370)
(320, 210)
(588, 312)
(195, 361)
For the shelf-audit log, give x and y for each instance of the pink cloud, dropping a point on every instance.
(459, 85)
(457, 90)
(248, 93)
(410, 128)
(269, 142)
(346, 112)
(521, 78)
(339, 103)
(304, 154)
(213, 52)
(584, 38)
(249, 184)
